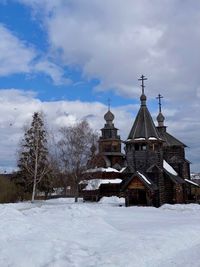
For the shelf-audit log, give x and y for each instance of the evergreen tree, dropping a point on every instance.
(33, 157)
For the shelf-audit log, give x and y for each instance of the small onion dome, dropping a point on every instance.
(109, 116)
(160, 119)
(143, 99)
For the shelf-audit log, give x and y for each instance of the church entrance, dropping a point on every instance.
(137, 197)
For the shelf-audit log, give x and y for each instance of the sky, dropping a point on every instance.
(67, 58)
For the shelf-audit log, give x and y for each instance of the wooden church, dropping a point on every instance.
(153, 170)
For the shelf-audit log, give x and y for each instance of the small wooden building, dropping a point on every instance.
(99, 182)
(139, 190)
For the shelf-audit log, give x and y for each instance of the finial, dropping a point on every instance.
(159, 97)
(143, 97)
(160, 117)
(142, 78)
(109, 116)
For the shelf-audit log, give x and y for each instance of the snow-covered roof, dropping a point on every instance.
(122, 169)
(152, 138)
(139, 139)
(195, 176)
(191, 182)
(109, 169)
(94, 184)
(169, 168)
(144, 177)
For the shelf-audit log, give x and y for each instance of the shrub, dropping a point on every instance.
(8, 190)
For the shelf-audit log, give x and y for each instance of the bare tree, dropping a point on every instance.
(75, 145)
(33, 156)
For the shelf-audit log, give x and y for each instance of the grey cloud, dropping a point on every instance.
(116, 41)
(18, 106)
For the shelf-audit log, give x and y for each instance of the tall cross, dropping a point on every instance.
(109, 103)
(159, 97)
(142, 78)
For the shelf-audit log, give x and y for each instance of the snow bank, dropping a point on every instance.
(112, 200)
(181, 207)
(59, 233)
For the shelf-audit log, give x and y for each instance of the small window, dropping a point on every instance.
(137, 147)
(143, 147)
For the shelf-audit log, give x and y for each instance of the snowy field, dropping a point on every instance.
(60, 233)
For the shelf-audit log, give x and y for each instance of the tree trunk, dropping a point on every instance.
(46, 194)
(76, 199)
(36, 169)
(76, 195)
(34, 189)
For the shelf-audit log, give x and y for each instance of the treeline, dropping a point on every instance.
(45, 162)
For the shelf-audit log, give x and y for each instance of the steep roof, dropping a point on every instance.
(143, 126)
(174, 178)
(170, 140)
(192, 182)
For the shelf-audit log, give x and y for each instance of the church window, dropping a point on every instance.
(143, 147)
(115, 148)
(107, 148)
(137, 147)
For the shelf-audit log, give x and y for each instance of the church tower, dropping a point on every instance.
(144, 145)
(173, 149)
(144, 156)
(110, 142)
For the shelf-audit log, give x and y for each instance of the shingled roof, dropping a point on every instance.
(143, 126)
(174, 178)
(170, 140)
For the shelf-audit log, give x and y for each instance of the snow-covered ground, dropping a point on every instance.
(60, 233)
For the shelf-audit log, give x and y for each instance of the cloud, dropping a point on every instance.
(17, 56)
(116, 41)
(18, 106)
(55, 72)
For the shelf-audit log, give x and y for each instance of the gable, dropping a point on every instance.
(136, 183)
(138, 180)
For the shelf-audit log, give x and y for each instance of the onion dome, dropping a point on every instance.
(109, 116)
(160, 119)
